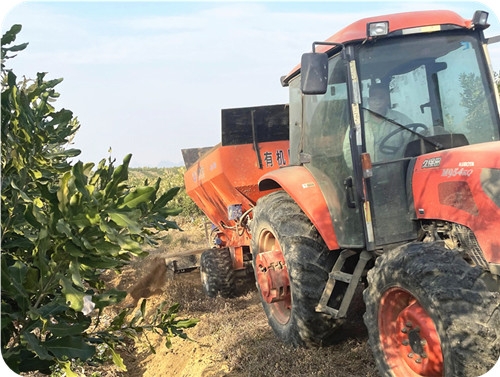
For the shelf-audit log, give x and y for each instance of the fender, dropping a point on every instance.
(461, 185)
(299, 183)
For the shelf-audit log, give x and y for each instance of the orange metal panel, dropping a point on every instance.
(447, 186)
(229, 175)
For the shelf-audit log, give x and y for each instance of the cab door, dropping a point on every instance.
(324, 121)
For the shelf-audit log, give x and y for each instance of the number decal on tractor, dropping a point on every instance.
(457, 172)
(431, 162)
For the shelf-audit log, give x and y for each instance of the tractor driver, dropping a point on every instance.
(378, 126)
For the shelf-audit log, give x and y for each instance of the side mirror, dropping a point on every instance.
(314, 73)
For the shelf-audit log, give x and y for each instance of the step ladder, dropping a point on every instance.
(351, 279)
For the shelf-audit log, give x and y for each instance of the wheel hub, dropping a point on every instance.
(416, 342)
(272, 276)
(420, 345)
(409, 336)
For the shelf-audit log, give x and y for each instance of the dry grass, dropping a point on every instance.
(233, 337)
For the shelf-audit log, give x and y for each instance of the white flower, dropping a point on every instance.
(88, 305)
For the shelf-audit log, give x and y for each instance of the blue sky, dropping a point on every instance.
(151, 78)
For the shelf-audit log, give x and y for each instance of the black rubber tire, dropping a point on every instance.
(217, 273)
(465, 314)
(308, 262)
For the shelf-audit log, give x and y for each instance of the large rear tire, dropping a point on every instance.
(428, 313)
(298, 263)
(217, 273)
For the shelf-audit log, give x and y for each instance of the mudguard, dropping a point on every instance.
(299, 183)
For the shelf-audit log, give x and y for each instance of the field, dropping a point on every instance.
(232, 337)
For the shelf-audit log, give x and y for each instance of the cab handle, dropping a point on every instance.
(349, 192)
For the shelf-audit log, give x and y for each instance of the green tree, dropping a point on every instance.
(63, 225)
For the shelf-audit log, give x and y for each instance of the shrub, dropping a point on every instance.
(63, 225)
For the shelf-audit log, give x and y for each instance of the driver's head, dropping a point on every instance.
(378, 98)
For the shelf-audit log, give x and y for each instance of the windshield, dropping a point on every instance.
(434, 84)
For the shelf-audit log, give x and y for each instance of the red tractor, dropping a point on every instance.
(392, 185)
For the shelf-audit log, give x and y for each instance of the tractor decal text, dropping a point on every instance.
(198, 175)
(278, 156)
(431, 163)
(466, 164)
(457, 172)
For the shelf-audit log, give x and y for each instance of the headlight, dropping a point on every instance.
(377, 29)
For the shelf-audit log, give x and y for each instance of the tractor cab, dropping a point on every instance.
(375, 96)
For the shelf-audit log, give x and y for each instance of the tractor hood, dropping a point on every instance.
(462, 185)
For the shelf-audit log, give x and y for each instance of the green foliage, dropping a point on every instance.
(170, 177)
(63, 225)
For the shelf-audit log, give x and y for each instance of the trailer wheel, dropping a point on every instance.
(428, 313)
(291, 265)
(217, 273)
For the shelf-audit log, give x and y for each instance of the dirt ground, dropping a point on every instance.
(232, 337)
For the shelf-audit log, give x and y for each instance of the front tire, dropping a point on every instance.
(428, 313)
(298, 263)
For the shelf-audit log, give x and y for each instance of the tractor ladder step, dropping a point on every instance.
(351, 279)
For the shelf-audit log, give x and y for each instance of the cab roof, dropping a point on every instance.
(397, 21)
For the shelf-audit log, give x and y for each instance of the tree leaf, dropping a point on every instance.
(63, 193)
(74, 297)
(10, 35)
(16, 275)
(66, 367)
(71, 347)
(65, 327)
(187, 323)
(122, 219)
(138, 196)
(108, 298)
(117, 360)
(36, 346)
(80, 179)
(171, 193)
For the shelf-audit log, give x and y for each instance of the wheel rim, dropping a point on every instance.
(270, 280)
(408, 336)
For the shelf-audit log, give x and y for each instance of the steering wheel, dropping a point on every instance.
(390, 149)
